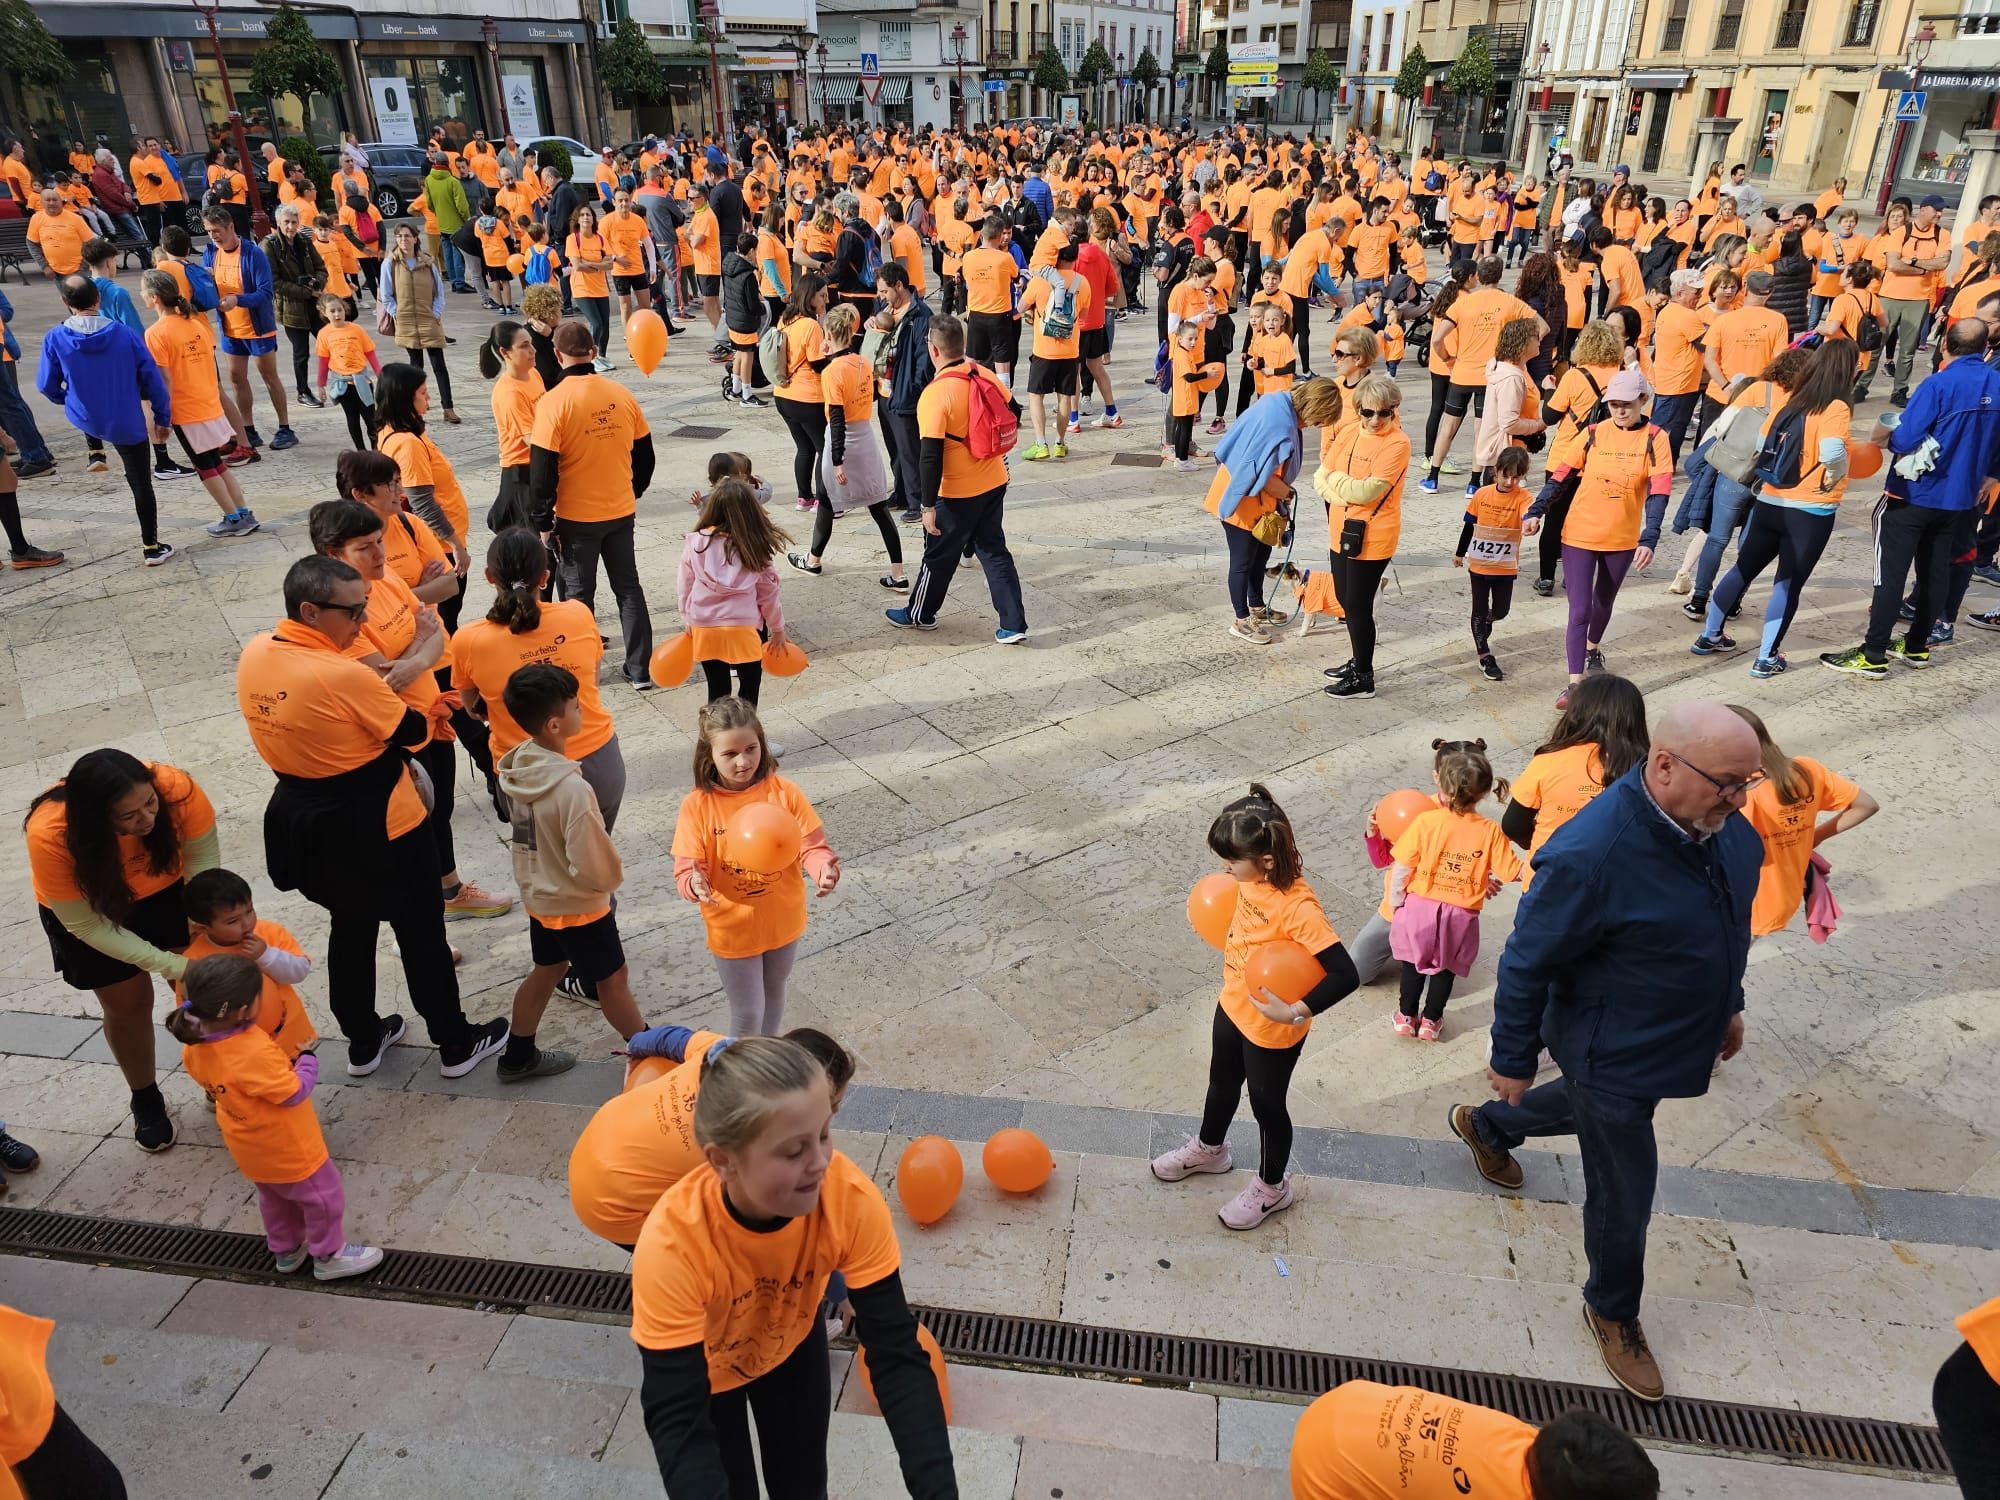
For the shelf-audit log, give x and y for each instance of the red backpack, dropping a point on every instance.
(992, 425)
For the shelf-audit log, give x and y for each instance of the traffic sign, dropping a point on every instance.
(995, 86)
(1255, 78)
(871, 65)
(1910, 105)
(1260, 93)
(1263, 52)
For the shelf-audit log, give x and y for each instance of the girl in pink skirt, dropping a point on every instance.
(1448, 862)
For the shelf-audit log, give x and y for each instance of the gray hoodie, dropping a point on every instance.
(564, 864)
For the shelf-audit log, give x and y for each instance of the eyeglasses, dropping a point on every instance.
(1347, 354)
(355, 612)
(1729, 789)
(1371, 413)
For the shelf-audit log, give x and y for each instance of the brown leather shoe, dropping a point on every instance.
(1495, 1164)
(1626, 1357)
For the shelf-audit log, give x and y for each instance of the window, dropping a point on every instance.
(1367, 38)
(1267, 33)
(1430, 16)
(1388, 42)
(1674, 33)
(1729, 26)
(1239, 34)
(1860, 24)
(1792, 23)
(1288, 40)
(893, 44)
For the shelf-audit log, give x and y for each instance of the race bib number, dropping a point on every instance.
(1495, 549)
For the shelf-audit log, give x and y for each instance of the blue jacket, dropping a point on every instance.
(12, 344)
(116, 303)
(99, 371)
(1627, 953)
(913, 369)
(1037, 192)
(1258, 444)
(255, 298)
(1960, 407)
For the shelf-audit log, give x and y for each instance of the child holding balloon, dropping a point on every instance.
(1448, 863)
(1276, 938)
(743, 835)
(729, 588)
(565, 867)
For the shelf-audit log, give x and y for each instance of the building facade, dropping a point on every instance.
(1380, 36)
(519, 66)
(1479, 127)
(1125, 30)
(1576, 62)
(1297, 29)
(1804, 78)
(1958, 72)
(1018, 32)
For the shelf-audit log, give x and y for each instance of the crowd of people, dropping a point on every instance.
(1645, 340)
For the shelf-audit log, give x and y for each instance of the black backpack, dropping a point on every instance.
(1869, 335)
(1781, 462)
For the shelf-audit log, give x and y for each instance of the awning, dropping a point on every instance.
(830, 90)
(1943, 80)
(1663, 78)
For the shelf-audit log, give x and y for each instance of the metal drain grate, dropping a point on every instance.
(697, 434)
(1035, 1343)
(1135, 460)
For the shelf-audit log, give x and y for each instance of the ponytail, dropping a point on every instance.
(741, 1084)
(163, 289)
(492, 352)
(1254, 826)
(517, 561)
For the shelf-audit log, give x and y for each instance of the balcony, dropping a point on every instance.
(1791, 28)
(1860, 29)
(1673, 34)
(1508, 45)
(1727, 30)
(1000, 46)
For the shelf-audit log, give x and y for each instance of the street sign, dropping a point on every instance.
(1260, 93)
(1910, 105)
(1263, 52)
(871, 64)
(995, 86)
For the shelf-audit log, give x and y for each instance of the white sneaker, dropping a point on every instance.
(348, 1260)
(290, 1261)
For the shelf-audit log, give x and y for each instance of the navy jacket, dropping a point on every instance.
(913, 370)
(1960, 407)
(1627, 953)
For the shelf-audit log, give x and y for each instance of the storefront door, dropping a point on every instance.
(1771, 130)
(1656, 131)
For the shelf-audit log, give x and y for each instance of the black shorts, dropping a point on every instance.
(992, 338)
(495, 275)
(708, 286)
(1094, 343)
(1051, 377)
(626, 285)
(592, 951)
(160, 919)
(1458, 397)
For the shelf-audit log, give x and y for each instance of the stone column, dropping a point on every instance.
(1982, 176)
(1425, 130)
(1542, 124)
(1711, 143)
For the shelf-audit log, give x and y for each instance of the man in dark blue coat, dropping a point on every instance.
(1626, 959)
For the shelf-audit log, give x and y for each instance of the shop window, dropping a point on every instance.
(1792, 23)
(893, 41)
(263, 118)
(86, 108)
(1729, 26)
(443, 92)
(524, 97)
(1674, 34)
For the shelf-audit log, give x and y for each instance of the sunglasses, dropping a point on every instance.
(1724, 788)
(352, 611)
(1371, 412)
(1347, 354)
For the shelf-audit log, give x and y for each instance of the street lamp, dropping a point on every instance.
(1921, 41)
(1118, 87)
(825, 99)
(1547, 100)
(236, 136)
(958, 57)
(711, 22)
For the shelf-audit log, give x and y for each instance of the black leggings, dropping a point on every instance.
(1248, 558)
(1413, 990)
(1492, 597)
(1967, 1403)
(137, 460)
(1355, 584)
(884, 512)
(360, 418)
(69, 1464)
(806, 421)
(1183, 436)
(791, 1404)
(1551, 537)
(302, 343)
(750, 674)
(438, 372)
(1794, 539)
(1440, 389)
(440, 763)
(1233, 1061)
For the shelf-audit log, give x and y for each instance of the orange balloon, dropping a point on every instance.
(928, 1177)
(787, 661)
(1396, 811)
(646, 339)
(672, 661)
(761, 837)
(1285, 968)
(644, 1070)
(1211, 907)
(930, 1346)
(1016, 1161)
(1864, 460)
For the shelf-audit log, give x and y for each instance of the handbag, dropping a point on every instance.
(1739, 442)
(1269, 528)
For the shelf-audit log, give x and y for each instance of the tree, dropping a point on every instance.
(1050, 74)
(628, 66)
(1321, 75)
(1095, 67)
(1216, 70)
(291, 61)
(1471, 77)
(1410, 79)
(296, 148)
(29, 49)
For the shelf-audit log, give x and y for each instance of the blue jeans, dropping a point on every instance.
(1726, 512)
(1621, 1164)
(454, 263)
(1670, 415)
(16, 418)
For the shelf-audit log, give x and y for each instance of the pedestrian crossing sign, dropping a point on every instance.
(1910, 105)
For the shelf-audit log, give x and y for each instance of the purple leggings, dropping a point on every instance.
(1591, 580)
(309, 1212)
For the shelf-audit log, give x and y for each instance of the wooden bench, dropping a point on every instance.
(14, 252)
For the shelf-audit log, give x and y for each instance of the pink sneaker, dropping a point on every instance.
(1191, 1157)
(806, 502)
(1256, 1203)
(1405, 1025)
(1430, 1031)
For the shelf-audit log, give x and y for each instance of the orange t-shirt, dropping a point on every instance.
(1478, 317)
(228, 273)
(1557, 784)
(943, 412)
(184, 349)
(1746, 339)
(514, 415)
(1364, 1441)
(1980, 1328)
(62, 237)
(1264, 914)
(590, 423)
(1676, 359)
(1450, 854)
(1495, 548)
(805, 341)
(1273, 352)
(1039, 298)
(582, 283)
(345, 347)
(52, 873)
(700, 1277)
(313, 712)
(635, 1147)
(281, 1015)
(750, 912)
(421, 462)
(407, 544)
(1618, 474)
(1364, 455)
(1371, 244)
(342, 262)
(27, 1398)
(849, 384)
(623, 233)
(249, 1080)
(989, 280)
(388, 631)
(484, 655)
(1787, 832)
(1574, 398)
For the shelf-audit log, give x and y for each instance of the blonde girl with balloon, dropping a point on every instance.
(745, 844)
(1256, 1036)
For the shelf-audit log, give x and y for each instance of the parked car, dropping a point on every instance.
(395, 174)
(582, 160)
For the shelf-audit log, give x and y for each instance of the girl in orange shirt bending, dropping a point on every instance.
(263, 1106)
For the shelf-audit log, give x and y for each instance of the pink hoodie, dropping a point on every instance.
(716, 589)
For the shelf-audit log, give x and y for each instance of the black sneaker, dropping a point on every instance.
(1491, 668)
(1342, 672)
(1696, 607)
(35, 469)
(307, 398)
(363, 1060)
(252, 437)
(456, 1062)
(1545, 587)
(1712, 645)
(1355, 687)
(1906, 611)
(577, 988)
(18, 1156)
(166, 471)
(1899, 398)
(152, 1126)
(546, 1063)
(1593, 663)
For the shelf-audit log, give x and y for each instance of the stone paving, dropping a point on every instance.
(1018, 830)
